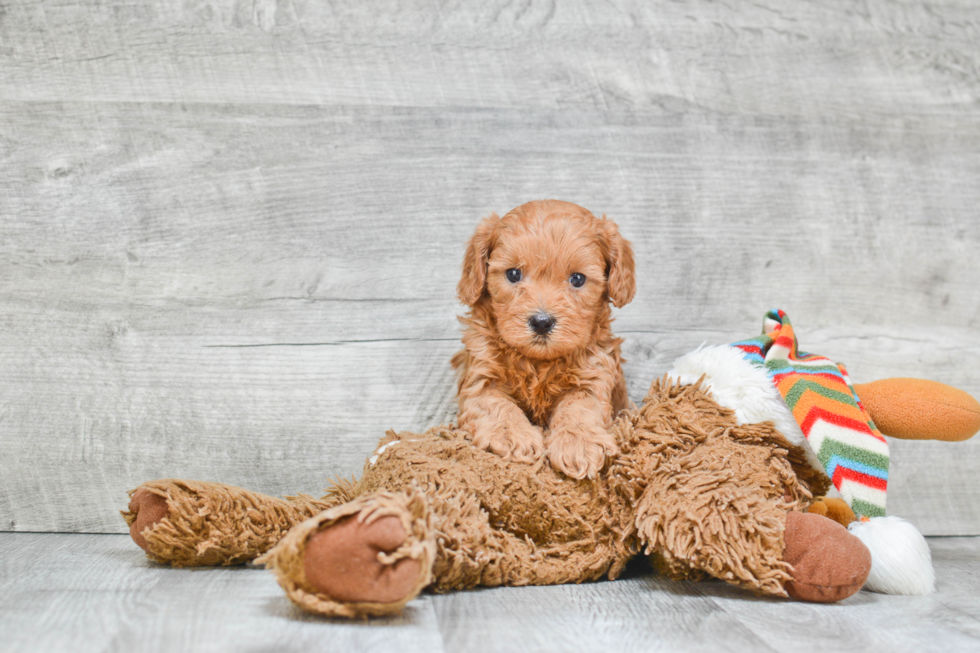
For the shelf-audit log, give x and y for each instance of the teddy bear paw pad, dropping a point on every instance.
(343, 562)
(829, 563)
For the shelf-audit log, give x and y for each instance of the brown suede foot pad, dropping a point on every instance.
(829, 563)
(149, 509)
(342, 561)
(365, 558)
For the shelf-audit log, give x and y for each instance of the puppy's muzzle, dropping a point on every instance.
(541, 323)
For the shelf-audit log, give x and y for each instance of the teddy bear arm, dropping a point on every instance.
(708, 517)
(711, 495)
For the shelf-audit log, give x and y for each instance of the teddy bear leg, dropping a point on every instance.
(371, 556)
(368, 557)
(146, 510)
(829, 563)
(194, 523)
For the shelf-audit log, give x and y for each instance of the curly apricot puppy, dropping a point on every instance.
(540, 368)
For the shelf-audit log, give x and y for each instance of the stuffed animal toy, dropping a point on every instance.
(553, 477)
(714, 476)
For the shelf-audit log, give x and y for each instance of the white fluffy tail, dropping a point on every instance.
(900, 559)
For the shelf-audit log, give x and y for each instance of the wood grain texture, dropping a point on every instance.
(638, 614)
(80, 593)
(230, 232)
(957, 574)
(828, 58)
(96, 593)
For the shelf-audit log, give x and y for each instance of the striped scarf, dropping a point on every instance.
(820, 396)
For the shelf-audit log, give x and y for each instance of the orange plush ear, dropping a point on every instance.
(474, 278)
(620, 267)
(916, 409)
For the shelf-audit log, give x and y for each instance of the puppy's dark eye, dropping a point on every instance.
(577, 279)
(513, 275)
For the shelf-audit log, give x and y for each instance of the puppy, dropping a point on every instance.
(540, 369)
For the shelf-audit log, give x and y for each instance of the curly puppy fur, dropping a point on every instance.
(554, 385)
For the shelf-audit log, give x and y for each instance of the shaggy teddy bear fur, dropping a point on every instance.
(691, 488)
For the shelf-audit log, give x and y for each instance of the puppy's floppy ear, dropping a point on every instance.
(620, 267)
(474, 279)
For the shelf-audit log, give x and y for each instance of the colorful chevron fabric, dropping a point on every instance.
(819, 394)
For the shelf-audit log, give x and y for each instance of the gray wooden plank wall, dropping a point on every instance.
(230, 231)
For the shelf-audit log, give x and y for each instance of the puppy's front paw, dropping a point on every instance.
(511, 439)
(580, 450)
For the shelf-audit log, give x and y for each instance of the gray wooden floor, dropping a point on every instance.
(77, 592)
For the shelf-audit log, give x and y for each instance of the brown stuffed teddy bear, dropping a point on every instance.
(711, 475)
(698, 492)
(701, 492)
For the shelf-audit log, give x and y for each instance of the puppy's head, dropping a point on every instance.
(547, 270)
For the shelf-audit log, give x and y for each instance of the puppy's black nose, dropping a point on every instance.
(542, 323)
